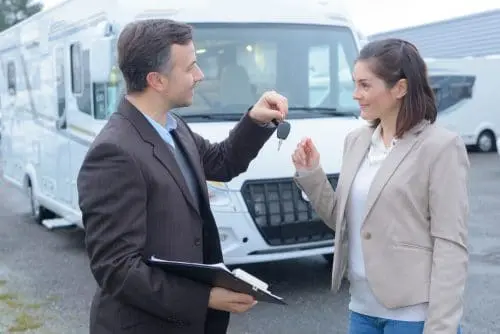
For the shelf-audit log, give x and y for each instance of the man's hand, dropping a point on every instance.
(270, 106)
(229, 301)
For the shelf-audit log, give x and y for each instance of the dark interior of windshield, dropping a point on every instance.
(310, 65)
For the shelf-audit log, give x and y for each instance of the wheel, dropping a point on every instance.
(486, 141)
(35, 207)
(38, 212)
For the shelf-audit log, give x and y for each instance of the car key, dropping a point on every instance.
(282, 131)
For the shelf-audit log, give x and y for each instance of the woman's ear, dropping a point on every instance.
(400, 88)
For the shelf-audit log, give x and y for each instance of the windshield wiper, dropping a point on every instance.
(218, 116)
(237, 116)
(326, 111)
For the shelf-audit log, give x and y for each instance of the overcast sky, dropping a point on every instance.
(374, 16)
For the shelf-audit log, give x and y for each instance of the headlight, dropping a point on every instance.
(218, 193)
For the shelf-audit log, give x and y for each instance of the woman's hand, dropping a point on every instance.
(306, 156)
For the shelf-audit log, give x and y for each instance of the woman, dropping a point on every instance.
(401, 204)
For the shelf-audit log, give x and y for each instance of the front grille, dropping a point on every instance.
(280, 213)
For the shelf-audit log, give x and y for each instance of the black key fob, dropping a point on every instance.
(283, 130)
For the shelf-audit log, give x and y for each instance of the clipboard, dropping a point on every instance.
(218, 275)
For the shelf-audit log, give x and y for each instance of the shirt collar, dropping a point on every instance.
(169, 126)
(378, 151)
(171, 122)
(378, 141)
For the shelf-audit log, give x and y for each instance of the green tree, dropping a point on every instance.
(14, 11)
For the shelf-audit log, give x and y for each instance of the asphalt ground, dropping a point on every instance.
(46, 285)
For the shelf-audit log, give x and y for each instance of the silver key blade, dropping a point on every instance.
(279, 144)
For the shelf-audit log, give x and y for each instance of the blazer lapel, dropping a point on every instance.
(165, 156)
(160, 149)
(188, 144)
(390, 164)
(353, 160)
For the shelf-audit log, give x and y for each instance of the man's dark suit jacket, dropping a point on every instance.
(136, 203)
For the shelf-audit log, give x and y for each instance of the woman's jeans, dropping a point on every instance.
(364, 324)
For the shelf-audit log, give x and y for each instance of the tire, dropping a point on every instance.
(486, 141)
(38, 212)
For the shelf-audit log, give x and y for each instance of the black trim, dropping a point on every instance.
(452, 89)
(280, 213)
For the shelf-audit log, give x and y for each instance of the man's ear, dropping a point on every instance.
(156, 81)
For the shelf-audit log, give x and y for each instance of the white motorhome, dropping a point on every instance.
(465, 90)
(59, 84)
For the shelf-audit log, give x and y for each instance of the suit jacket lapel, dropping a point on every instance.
(390, 164)
(165, 156)
(160, 149)
(188, 144)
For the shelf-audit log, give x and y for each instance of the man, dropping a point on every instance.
(142, 191)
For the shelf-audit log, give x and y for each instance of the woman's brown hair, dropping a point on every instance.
(392, 60)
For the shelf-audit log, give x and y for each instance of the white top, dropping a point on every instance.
(362, 299)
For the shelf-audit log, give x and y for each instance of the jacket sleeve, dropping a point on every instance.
(320, 192)
(112, 199)
(449, 208)
(225, 160)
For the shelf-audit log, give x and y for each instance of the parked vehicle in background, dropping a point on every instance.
(61, 83)
(466, 90)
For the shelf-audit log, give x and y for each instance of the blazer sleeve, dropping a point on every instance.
(449, 209)
(320, 192)
(225, 160)
(112, 199)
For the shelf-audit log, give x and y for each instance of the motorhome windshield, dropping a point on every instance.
(310, 65)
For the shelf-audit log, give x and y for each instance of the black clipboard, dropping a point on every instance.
(218, 275)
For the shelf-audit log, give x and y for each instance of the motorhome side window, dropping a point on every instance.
(76, 69)
(11, 78)
(450, 90)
